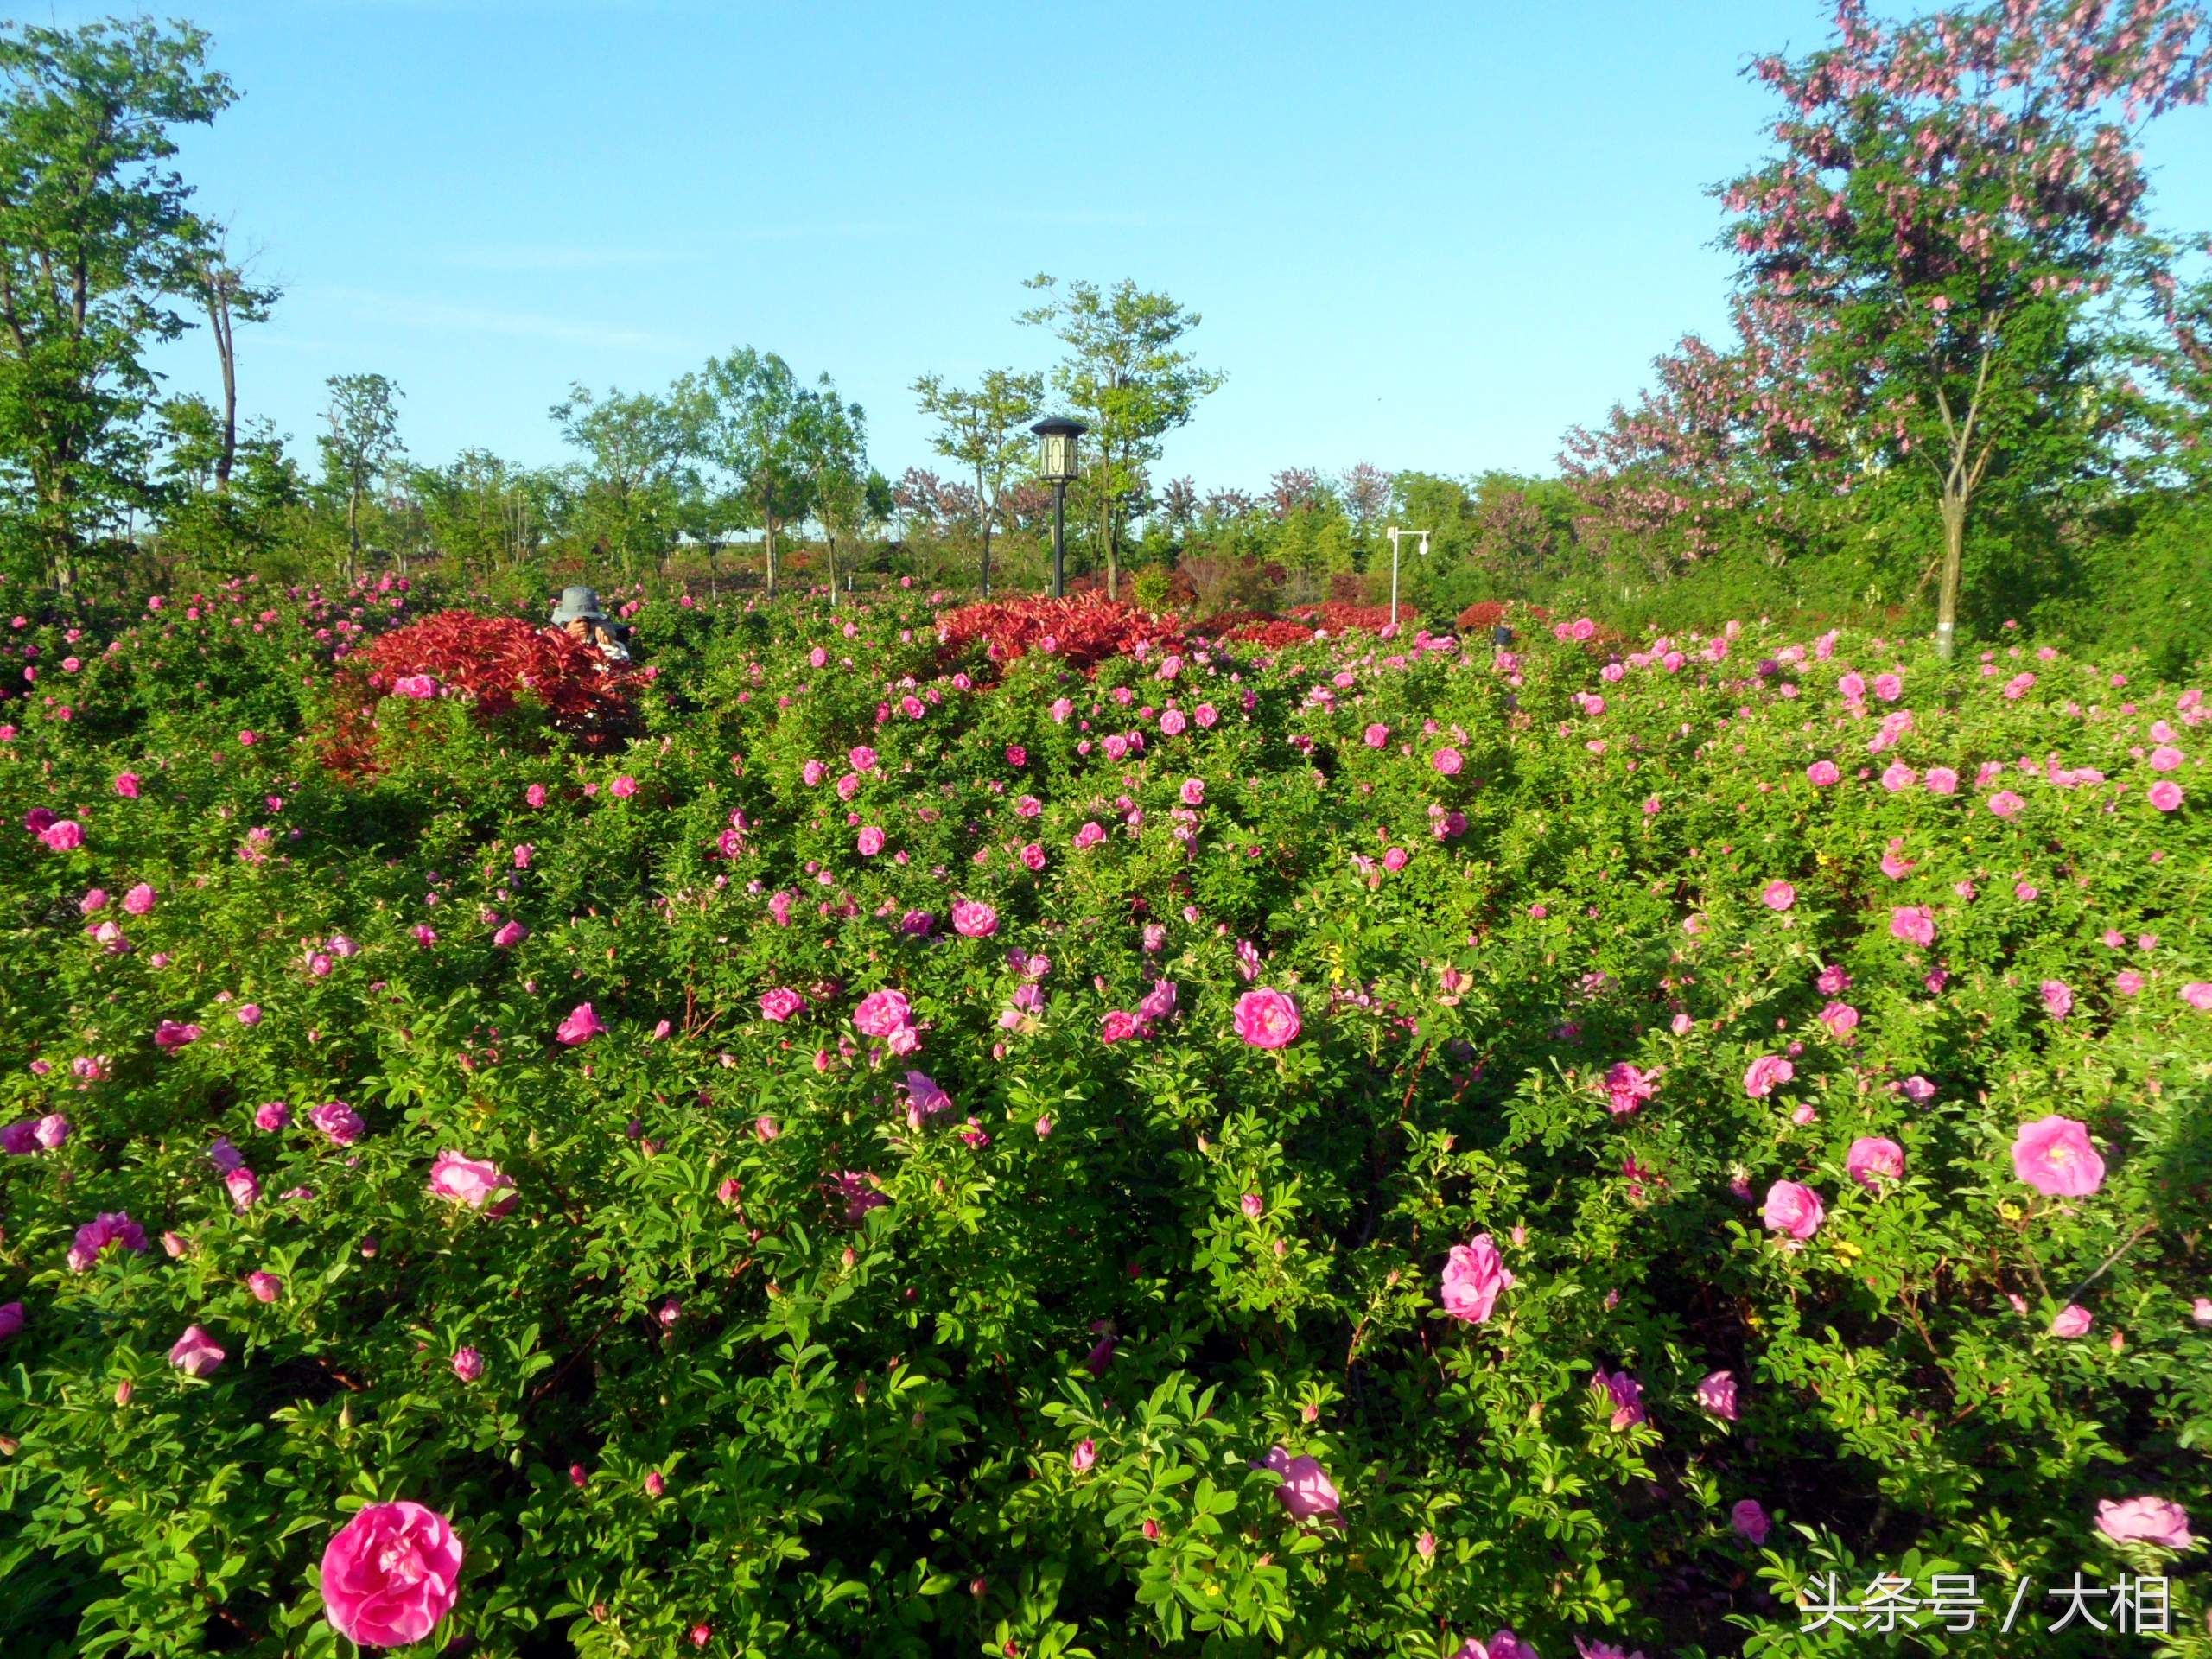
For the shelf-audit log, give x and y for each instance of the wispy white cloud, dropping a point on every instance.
(412, 313)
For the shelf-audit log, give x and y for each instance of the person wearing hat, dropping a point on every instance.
(578, 615)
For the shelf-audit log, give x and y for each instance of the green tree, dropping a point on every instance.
(985, 429)
(639, 464)
(750, 408)
(1128, 376)
(1948, 197)
(362, 448)
(95, 243)
(483, 511)
(830, 437)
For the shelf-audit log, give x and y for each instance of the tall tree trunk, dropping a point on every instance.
(353, 537)
(1947, 595)
(986, 556)
(219, 324)
(769, 545)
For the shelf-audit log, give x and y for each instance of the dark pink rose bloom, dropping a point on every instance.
(391, 1575)
(195, 1353)
(1748, 1519)
(1266, 1019)
(580, 1026)
(881, 1013)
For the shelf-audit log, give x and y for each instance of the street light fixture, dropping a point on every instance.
(1057, 468)
(1394, 532)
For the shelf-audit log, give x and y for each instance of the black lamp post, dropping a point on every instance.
(1057, 468)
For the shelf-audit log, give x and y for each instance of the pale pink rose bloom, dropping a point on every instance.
(1266, 1019)
(869, 841)
(1941, 780)
(2005, 804)
(2072, 1320)
(2053, 1155)
(1717, 1395)
(1306, 1491)
(391, 1575)
(2144, 1520)
(472, 1182)
(1766, 1074)
(1447, 761)
(140, 900)
(1778, 895)
(1821, 774)
(1625, 1394)
(1873, 1159)
(194, 1353)
(1473, 1275)
(973, 919)
(1792, 1208)
(2057, 998)
(1914, 924)
(2167, 795)
(2198, 995)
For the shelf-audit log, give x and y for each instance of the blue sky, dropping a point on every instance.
(1423, 235)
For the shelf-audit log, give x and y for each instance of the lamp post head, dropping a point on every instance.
(1059, 434)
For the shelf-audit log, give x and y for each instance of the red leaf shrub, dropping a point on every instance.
(1272, 632)
(1486, 614)
(1083, 629)
(490, 661)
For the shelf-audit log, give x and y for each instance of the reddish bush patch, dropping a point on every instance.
(1340, 617)
(1082, 630)
(493, 662)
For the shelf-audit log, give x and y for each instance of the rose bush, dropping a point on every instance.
(1345, 1146)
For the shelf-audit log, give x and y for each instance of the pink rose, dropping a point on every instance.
(1472, 1278)
(1778, 895)
(2057, 998)
(2167, 795)
(2054, 1156)
(1750, 1520)
(580, 1026)
(1914, 924)
(1717, 1395)
(266, 1287)
(391, 1575)
(1266, 1019)
(2005, 804)
(195, 1353)
(1447, 761)
(1792, 1208)
(881, 1013)
(510, 935)
(1306, 1491)
(1118, 1025)
(973, 919)
(2072, 1320)
(1085, 1455)
(781, 1003)
(468, 1364)
(1766, 1074)
(1821, 774)
(1625, 1394)
(472, 1182)
(64, 835)
(338, 1121)
(869, 841)
(1873, 1159)
(2144, 1520)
